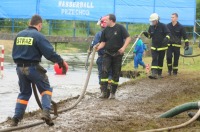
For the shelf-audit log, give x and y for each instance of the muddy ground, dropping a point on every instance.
(136, 107)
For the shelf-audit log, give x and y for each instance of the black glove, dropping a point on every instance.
(186, 47)
(146, 34)
(62, 65)
(165, 41)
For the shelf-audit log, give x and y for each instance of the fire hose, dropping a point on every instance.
(175, 111)
(56, 112)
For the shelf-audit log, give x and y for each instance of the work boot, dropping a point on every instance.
(112, 96)
(191, 114)
(169, 73)
(153, 74)
(160, 76)
(47, 118)
(112, 92)
(174, 73)
(14, 122)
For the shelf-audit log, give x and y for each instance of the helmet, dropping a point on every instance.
(102, 22)
(154, 17)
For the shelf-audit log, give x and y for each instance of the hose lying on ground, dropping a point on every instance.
(189, 55)
(62, 110)
(179, 109)
(185, 106)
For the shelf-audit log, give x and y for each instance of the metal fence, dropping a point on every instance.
(74, 28)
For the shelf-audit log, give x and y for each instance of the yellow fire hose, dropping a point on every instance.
(61, 110)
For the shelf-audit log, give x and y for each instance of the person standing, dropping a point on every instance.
(29, 46)
(103, 25)
(114, 40)
(159, 33)
(177, 32)
(138, 52)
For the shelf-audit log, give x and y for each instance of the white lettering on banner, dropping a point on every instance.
(75, 8)
(75, 12)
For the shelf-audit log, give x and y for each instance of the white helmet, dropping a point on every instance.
(154, 17)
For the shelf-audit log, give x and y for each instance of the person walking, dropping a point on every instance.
(29, 46)
(114, 40)
(160, 35)
(177, 32)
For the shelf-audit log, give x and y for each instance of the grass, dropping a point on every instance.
(188, 66)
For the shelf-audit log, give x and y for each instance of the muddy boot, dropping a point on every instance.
(191, 114)
(47, 118)
(160, 76)
(169, 73)
(153, 74)
(103, 93)
(14, 122)
(112, 92)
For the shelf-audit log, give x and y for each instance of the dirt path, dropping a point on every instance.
(136, 107)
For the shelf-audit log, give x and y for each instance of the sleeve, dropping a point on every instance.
(96, 39)
(184, 34)
(47, 50)
(103, 36)
(166, 31)
(125, 33)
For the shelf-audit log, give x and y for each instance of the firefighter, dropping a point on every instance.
(103, 24)
(159, 33)
(29, 46)
(114, 40)
(177, 32)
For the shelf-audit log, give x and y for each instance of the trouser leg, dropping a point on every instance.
(169, 58)
(116, 70)
(154, 64)
(176, 59)
(99, 65)
(39, 77)
(140, 55)
(25, 92)
(136, 61)
(106, 67)
(160, 61)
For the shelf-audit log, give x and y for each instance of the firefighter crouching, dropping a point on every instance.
(177, 32)
(159, 33)
(29, 46)
(114, 40)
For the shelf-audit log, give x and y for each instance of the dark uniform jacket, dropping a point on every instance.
(158, 34)
(30, 45)
(177, 32)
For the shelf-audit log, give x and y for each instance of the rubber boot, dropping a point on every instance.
(191, 114)
(103, 93)
(153, 74)
(169, 73)
(14, 122)
(112, 92)
(47, 118)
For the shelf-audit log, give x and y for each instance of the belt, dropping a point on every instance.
(26, 64)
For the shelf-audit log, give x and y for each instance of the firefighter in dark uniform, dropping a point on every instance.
(114, 40)
(177, 32)
(159, 33)
(29, 46)
(103, 24)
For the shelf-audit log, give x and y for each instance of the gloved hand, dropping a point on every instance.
(62, 65)
(165, 41)
(186, 47)
(146, 34)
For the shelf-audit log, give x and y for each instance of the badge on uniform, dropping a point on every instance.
(115, 33)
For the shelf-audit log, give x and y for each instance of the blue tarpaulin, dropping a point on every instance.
(133, 11)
